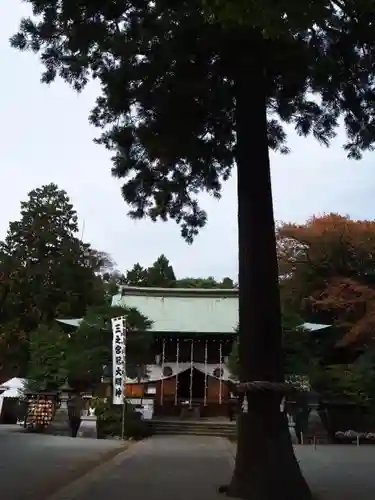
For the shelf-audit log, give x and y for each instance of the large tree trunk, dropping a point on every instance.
(266, 467)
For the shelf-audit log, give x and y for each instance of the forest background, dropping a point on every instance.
(326, 277)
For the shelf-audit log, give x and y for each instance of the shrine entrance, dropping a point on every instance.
(191, 385)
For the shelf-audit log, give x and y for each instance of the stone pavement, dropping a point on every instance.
(33, 466)
(160, 468)
(192, 468)
(338, 472)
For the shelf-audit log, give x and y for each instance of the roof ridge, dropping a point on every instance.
(178, 292)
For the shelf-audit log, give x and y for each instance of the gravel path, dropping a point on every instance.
(160, 468)
(33, 466)
(338, 472)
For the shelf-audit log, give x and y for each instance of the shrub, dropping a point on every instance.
(109, 421)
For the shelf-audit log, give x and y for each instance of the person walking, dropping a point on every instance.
(74, 413)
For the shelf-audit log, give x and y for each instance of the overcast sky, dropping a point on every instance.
(45, 137)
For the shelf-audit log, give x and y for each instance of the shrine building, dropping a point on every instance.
(193, 332)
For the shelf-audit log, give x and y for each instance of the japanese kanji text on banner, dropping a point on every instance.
(118, 358)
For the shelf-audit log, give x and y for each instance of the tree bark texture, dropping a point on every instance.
(266, 467)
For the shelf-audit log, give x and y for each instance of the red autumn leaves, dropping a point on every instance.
(328, 273)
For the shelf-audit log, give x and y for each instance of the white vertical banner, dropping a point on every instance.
(205, 372)
(177, 370)
(118, 358)
(191, 372)
(221, 373)
(162, 374)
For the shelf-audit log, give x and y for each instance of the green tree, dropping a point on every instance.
(111, 288)
(299, 348)
(13, 339)
(341, 382)
(137, 276)
(184, 99)
(14, 349)
(275, 18)
(364, 375)
(89, 352)
(101, 262)
(47, 358)
(6, 266)
(48, 271)
(160, 274)
(209, 282)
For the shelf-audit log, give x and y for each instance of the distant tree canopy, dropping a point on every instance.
(328, 274)
(210, 282)
(161, 274)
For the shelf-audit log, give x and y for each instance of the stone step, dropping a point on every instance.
(192, 433)
(229, 425)
(195, 432)
(193, 428)
(184, 426)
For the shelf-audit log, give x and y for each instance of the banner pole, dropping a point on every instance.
(124, 382)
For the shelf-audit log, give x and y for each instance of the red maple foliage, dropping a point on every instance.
(328, 270)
